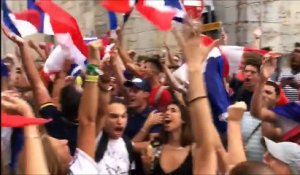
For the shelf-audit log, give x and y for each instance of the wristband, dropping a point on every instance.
(93, 69)
(92, 78)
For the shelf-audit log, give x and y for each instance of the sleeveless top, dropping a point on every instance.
(186, 168)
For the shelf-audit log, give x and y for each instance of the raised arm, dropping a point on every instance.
(258, 110)
(128, 62)
(173, 82)
(39, 90)
(89, 104)
(204, 132)
(35, 47)
(235, 141)
(34, 157)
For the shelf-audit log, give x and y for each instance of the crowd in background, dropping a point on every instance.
(128, 113)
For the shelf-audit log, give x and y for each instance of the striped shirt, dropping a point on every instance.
(254, 149)
(291, 93)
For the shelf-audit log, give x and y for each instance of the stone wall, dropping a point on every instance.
(280, 21)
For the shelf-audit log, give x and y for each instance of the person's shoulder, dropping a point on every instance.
(83, 164)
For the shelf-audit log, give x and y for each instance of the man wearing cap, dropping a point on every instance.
(282, 119)
(138, 94)
(283, 157)
(138, 111)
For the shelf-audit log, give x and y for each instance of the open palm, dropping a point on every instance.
(268, 68)
(12, 36)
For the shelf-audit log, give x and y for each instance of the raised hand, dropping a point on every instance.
(257, 32)
(12, 36)
(94, 48)
(153, 119)
(119, 40)
(194, 48)
(268, 68)
(13, 104)
(236, 111)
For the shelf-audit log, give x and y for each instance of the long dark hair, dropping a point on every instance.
(186, 137)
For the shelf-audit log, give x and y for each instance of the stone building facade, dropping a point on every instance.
(279, 20)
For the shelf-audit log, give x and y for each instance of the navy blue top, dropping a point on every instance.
(136, 121)
(60, 128)
(134, 124)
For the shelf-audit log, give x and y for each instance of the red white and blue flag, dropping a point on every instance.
(48, 18)
(159, 12)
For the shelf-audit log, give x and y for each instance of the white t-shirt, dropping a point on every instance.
(115, 159)
(83, 164)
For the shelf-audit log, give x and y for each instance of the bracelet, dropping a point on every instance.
(93, 69)
(32, 137)
(196, 98)
(92, 78)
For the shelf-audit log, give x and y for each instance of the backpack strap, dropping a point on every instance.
(101, 147)
(158, 94)
(129, 148)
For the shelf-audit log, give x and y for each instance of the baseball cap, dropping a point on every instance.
(16, 121)
(139, 83)
(287, 152)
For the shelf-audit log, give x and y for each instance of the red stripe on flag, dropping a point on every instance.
(118, 6)
(31, 16)
(62, 22)
(161, 19)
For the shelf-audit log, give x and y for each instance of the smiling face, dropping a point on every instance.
(172, 119)
(116, 120)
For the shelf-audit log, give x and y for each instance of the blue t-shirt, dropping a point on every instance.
(136, 122)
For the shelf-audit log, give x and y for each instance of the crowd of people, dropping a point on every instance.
(128, 113)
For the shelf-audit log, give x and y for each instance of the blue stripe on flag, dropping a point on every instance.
(217, 94)
(31, 5)
(7, 21)
(113, 21)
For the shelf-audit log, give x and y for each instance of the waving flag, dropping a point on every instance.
(118, 6)
(234, 55)
(68, 35)
(217, 94)
(113, 22)
(159, 12)
(23, 24)
(290, 111)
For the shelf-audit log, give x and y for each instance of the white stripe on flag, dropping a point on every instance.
(48, 30)
(25, 28)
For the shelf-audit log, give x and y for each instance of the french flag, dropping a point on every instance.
(234, 56)
(24, 23)
(68, 35)
(216, 91)
(159, 12)
(113, 22)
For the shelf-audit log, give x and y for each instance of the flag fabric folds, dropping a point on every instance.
(234, 55)
(159, 12)
(216, 91)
